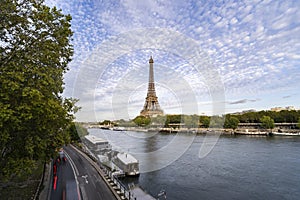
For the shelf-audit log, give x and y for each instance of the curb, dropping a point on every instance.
(45, 193)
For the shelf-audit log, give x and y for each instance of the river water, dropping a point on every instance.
(237, 167)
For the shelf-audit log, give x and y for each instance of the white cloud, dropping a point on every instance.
(251, 43)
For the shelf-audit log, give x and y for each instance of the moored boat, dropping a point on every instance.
(96, 144)
(118, 128)
(113, 159)
(127, 163)
(284, 134)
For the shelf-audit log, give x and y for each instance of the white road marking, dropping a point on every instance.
(85, 178)
(74, 169)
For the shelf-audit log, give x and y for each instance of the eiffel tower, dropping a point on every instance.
(151, 106)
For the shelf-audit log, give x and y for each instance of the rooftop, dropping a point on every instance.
(95, 140)
(127, 158)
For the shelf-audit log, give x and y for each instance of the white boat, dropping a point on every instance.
(118, 128)
(103, 159)
(127, 163)
(112, 159)
(285, 134)
(97, 144)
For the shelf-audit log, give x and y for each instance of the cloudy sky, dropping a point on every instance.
(210, 57)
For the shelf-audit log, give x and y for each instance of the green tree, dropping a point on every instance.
(125, 123)
(191, 121)
(205, 121)
(159, 120)
(216, 122)
(34, 52)
(267, 122)
(298, 125)
(142, 121)
(231, 122)
(106, 122)
(77, 131)
(174, 120)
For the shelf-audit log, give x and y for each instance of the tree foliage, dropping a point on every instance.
(34, 52)
(77, 131)
(204, 121)
(284, 116)
(174, 120)
(107, 123)
(124, 123)
(216, 122)
(267, 122)
(159, 120)
(191, 121)
(231, 122)
(142, 121)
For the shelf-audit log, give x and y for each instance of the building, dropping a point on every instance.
(243, 112)
(96, 144)
(151, 107)
(278, 109)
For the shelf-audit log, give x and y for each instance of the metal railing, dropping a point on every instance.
(117, 184)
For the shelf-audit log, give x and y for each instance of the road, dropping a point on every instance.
(78, 170)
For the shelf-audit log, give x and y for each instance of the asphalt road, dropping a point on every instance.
(64, 183)
(78, 170)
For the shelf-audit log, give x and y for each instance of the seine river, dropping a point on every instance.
(238, 167)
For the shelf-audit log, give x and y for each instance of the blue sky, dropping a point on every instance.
(210, 57)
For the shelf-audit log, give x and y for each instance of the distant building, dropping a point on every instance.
(244, 111)
(290, 108)
(278, 109)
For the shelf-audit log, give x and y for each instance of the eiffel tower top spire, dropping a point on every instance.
(151, 85)
(151, 106)
(151, 60)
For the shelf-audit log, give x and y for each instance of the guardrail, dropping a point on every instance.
(118, 185)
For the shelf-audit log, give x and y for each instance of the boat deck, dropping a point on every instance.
(141, 194)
